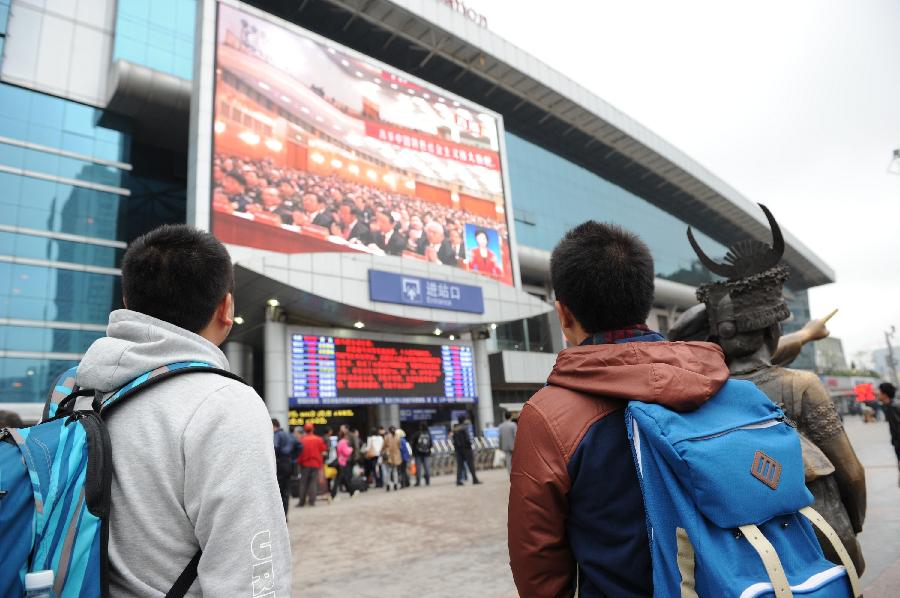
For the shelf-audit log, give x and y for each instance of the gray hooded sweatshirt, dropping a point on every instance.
(193, 467)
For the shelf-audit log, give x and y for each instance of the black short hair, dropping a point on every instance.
(178, 274)
(604, 275)
(481, 231)
(276, 423)
(507, 415)
(387, 215)
(887, 388)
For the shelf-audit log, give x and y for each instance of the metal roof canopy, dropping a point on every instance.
(544, 107)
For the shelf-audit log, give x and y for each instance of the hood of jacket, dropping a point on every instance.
(680, 375)
(136, 343)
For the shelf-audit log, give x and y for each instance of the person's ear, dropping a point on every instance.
(225, 311)
(566, 319)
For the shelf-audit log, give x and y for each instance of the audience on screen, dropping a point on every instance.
(384, 221)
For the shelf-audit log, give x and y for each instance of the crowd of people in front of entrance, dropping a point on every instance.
(387, 458)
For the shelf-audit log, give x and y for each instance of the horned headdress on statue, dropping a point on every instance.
(749, 299)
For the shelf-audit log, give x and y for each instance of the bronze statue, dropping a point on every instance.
(743, 315)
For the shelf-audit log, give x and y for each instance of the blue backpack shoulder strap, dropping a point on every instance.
(158, 375)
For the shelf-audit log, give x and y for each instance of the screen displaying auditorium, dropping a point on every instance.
(318, 149)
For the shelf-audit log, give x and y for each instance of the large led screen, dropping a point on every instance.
(318, 149)
(329, 370)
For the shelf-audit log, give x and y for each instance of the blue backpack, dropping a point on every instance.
(55, 482)
(728, 513)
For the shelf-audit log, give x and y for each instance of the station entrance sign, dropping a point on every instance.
(424, 292)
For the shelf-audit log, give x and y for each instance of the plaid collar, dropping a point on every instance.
(634, 333)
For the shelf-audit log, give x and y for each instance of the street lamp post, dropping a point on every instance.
(892, 365)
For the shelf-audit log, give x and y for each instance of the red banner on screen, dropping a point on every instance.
(433, 145)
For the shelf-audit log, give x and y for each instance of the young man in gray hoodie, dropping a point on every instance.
(193, 465)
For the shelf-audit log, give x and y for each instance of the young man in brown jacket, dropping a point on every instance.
(576, 514)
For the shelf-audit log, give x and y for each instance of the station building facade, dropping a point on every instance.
(116, 114)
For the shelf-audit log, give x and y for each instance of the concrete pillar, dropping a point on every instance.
(480, 351)
(387, 415)
(276, 388)
(237, 354)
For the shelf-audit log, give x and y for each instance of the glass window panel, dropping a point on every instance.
(57, 294)
(79, 119)
(162, 38)
(11, 186)
(183, 67)
(48, 340)
(9, 215)
(10, 126)
(41, 162)
(78, 143)
(38, 193)
(31, 281)
(134, 8)
(7, 244)
(34, 218)
(129, 49)
(160, 59)
(19, 338)
(4, 16)
(45, 110)
(41, 135)
(110, 150)
(30, 246)
(15, 102)
(33, 247)
(29, 380)
(540, 178)
(11, 156)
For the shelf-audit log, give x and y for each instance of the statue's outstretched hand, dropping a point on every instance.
(816, 330)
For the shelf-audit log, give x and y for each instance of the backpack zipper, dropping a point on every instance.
(768, 423)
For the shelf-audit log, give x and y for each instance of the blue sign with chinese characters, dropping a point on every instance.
(424, 292)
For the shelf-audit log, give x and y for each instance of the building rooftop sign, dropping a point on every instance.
(467, 11)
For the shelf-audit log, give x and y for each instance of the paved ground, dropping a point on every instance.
(437, 541)
(881, 533)
(445, 541)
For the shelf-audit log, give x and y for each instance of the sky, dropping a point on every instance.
(795, 104)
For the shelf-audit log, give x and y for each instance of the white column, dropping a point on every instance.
(388, 415)
(237, 358)
(275, 389)
(480, 350)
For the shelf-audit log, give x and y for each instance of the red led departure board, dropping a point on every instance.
(327, 370)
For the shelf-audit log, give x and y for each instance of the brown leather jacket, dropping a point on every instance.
(575, 507)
